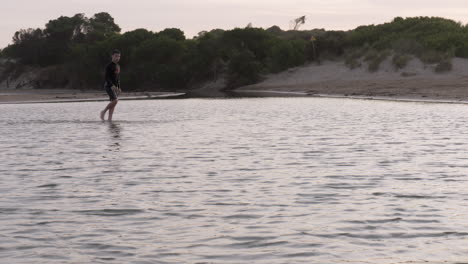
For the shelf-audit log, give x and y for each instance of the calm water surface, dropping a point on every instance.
(283, 180)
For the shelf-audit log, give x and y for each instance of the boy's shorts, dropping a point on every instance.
(112, 93)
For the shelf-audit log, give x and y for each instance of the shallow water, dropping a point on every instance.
(283, 180)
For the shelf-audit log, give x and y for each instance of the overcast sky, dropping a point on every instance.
(193, 16)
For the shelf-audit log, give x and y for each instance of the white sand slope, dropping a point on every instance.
(416, 80)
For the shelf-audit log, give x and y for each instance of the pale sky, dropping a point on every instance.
(193, 16)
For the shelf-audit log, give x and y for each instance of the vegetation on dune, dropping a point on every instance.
(400, 61)
(77, 49)
(433, 40)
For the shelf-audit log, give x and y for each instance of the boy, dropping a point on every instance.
(112, 84)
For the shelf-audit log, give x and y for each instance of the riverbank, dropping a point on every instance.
(416, 82)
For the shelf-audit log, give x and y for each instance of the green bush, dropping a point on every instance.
(371, 55)
(7, 69)
(353, 57)
(407, 46)
(375, 58)
(462, 50)
(286, 54)
(413, 35)
(374, 66)
(431, 56)
(331, 44)
(243, 69)
(400, 61)
(444, 66)
(352, 62)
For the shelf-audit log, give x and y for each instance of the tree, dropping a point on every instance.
(296, 23)
(129, 42)
(275, 30)
(285, 54)
(158, 60)
(256, 40)
(27, 35)
(28, 46)
(103, 22)
(66, 29)
(244, 69)
(60, 34)
(173, 33)
(101, 26)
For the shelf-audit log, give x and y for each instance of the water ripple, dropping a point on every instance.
(110, 212)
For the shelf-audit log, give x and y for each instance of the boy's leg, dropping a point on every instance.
(111, 108)
(111, 105)
(103, 112)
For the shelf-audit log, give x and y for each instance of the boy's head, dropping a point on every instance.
(116, 55)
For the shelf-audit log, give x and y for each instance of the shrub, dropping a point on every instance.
(352, 62)
(444, 66)
(286, 54)
(408, 46)
(243, 69)
(462, 51)
(431, 56)
(400, 61)
(371, 55)
(375, 58)
(352, 58)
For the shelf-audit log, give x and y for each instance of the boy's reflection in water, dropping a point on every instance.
(114, 131)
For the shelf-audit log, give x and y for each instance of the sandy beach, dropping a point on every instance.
(415, 82)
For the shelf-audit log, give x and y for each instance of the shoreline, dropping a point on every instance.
(34, 96)
(272, 93)
(68, 96)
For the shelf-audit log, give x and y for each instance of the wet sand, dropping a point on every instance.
(63, 95)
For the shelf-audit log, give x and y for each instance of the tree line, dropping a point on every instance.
(77, 49)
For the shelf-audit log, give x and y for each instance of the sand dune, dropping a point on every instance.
(416, 81)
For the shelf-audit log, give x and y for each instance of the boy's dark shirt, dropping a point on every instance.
(112, 75)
